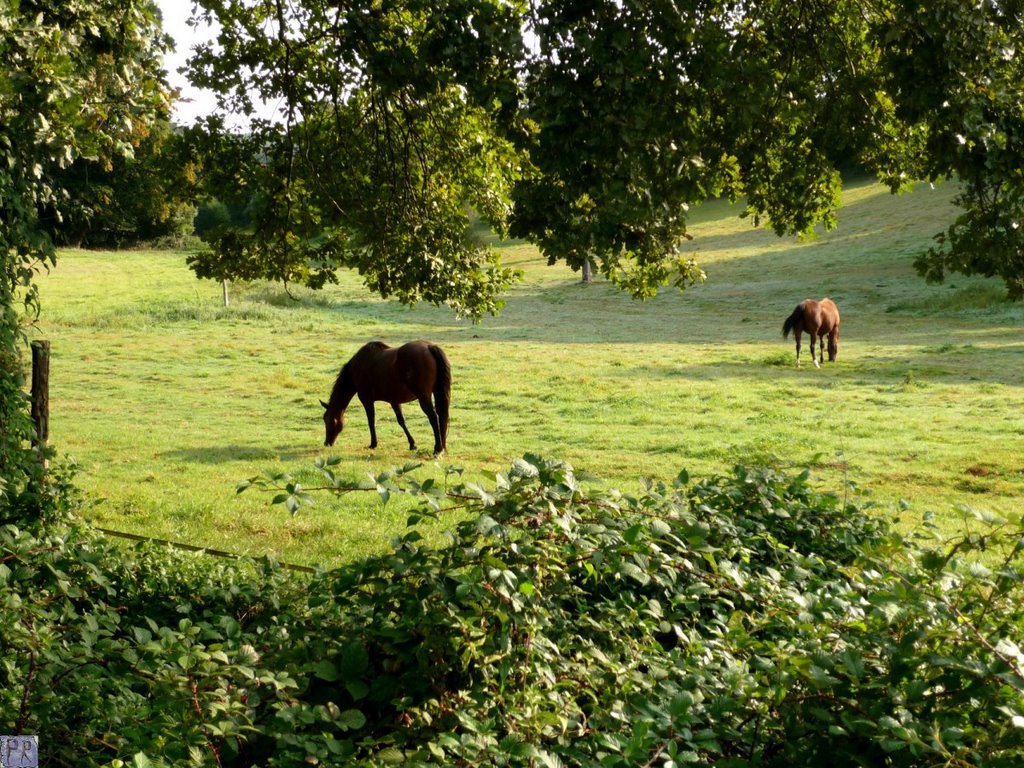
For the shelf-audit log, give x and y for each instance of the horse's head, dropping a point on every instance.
(334, 422)
(833, 347)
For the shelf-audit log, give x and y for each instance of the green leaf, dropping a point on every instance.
(325, 670)
(632, 534)
(357, 689)
(854, 663)
(634, 572)
(391, 756)
(681, 704)
(660, 529)
(351, 720)
(525, 469)
(354, 661)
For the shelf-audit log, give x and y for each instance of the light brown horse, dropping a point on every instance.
(413, 371)
(819, 319)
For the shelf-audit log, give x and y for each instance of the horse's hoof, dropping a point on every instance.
(816, 364)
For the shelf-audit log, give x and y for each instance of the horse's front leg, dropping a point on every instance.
(397, 408)
(821, 351)
(370, 421)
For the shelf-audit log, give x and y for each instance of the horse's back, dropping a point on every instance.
(829, 314)
(814, 316)
(804, 317)
(394, 374)
(369, 352)
(412, 350)
(371, 369)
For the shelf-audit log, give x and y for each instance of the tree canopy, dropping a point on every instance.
(589, 128)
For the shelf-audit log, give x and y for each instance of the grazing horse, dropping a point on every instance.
(395, 375)
(819, 319)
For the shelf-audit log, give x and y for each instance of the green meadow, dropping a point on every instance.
(166, 399)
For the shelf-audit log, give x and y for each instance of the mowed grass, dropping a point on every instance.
(167, 399)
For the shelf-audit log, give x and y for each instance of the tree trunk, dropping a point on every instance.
(588, 270)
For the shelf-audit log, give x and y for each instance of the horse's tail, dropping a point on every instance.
(793, 320)
(442, 391)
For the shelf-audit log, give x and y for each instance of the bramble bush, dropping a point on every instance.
(742, 620)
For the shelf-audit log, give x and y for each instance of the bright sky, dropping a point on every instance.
(195, 103)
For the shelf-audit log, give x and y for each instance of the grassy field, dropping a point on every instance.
(167, 399)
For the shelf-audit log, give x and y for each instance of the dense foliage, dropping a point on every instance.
(964, 60)
(591, 127)
(742, 620)
(124, 201)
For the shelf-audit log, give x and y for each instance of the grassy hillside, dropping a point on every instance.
(167, 399)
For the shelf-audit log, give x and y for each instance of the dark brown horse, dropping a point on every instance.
(819, 319)
(413, 371)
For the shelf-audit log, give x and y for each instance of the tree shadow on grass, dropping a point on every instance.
(225, 454)
(953, 364)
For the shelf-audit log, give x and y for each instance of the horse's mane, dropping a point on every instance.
(344, 380)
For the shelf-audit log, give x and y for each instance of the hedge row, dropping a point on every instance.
(738, 621)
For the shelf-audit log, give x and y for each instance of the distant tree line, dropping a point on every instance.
(149, 197)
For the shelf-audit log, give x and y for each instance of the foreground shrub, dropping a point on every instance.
(744, 620)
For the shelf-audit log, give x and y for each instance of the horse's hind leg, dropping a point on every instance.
(435, 423)
(397, 407)
(797, 337)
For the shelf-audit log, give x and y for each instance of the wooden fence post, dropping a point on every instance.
(41, 390)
